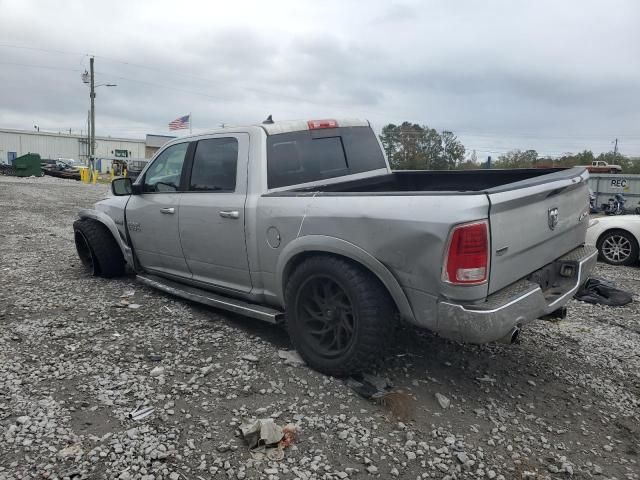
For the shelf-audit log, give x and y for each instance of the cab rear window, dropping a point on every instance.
(312, 155)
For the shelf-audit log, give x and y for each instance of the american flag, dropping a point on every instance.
(179, 123)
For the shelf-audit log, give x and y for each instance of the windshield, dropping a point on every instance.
(311, 155)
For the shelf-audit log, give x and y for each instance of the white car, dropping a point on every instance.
(617, 238)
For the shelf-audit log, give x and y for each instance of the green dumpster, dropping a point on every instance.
(28, 165)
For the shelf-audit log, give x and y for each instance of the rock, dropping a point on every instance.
(372, 469)
(70, 451)
(23, 419)
(443, 401)
(291, 357)
(250, 358)
(157, 371)
(394, 472)
(410, 455)
(462, 457)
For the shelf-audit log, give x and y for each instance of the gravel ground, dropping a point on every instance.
(76, 357)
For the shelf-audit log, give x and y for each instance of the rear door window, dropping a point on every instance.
(215, 165)
(311, 155)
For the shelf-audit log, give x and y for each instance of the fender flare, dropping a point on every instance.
(337, 246)
(108, 222)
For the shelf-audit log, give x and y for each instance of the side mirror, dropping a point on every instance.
(121, 186)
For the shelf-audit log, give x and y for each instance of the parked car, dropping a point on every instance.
(599, 166)
(303, 221)
(617, 238)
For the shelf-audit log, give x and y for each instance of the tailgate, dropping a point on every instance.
(534, 222)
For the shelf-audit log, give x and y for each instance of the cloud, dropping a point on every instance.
(555, 76)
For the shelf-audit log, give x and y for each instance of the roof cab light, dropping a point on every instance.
(467, 258)
(317, 124)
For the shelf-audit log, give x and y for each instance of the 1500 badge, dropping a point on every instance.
(134, 226)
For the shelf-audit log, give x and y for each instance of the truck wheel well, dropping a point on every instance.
(301, 257)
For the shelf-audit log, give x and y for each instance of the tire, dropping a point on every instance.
(350, 310)
(613, 170)
(618, 247)
(97, 249)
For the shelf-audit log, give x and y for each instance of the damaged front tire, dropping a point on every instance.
(97, 249)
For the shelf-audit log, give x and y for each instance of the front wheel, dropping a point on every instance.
(618, 247)
(97, 249)
(339, 316)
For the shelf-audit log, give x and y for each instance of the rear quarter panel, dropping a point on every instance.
(406, 233)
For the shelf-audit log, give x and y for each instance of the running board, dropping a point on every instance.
(213, 300)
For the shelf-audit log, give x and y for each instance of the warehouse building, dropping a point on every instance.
(50, 145)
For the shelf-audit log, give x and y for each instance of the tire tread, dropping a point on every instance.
(375, 306)
(106, 252)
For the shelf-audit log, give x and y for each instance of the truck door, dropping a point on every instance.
(212, 212)
(152, 216)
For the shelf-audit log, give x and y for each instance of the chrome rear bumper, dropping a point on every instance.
(515, 305)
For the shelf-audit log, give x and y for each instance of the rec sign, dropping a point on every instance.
(620, 183)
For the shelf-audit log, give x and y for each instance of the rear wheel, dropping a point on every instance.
(339, 316)
(618, 247)
(97, 249)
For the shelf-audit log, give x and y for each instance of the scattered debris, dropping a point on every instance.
(290, 435)
(71, 451)
(398, 402)
(486, 379)
(267, 439)
(291, 357)
(443, 400)
(157, 371)
(369, 386)
(141, 412)
(262, 432)
(603, 292)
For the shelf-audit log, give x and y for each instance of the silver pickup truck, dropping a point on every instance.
(304, 222)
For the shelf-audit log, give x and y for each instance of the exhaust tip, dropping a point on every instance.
(512, 337)
(515, 335)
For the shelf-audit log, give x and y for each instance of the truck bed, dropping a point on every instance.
(443, 181)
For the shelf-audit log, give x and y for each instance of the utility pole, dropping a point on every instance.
(88, 138)
(615, 148)
(92, 143)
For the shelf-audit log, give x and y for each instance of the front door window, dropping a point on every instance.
(165, 172)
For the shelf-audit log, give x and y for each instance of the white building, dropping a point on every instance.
(51, 145)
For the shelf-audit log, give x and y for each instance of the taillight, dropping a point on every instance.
(467, 259)
(316, 124)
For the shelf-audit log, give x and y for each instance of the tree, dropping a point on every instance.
(517, 159)
(410, 146)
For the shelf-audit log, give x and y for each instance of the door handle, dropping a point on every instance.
(229, 214)
(168, 210)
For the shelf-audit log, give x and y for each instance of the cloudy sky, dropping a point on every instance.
(556, 76)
